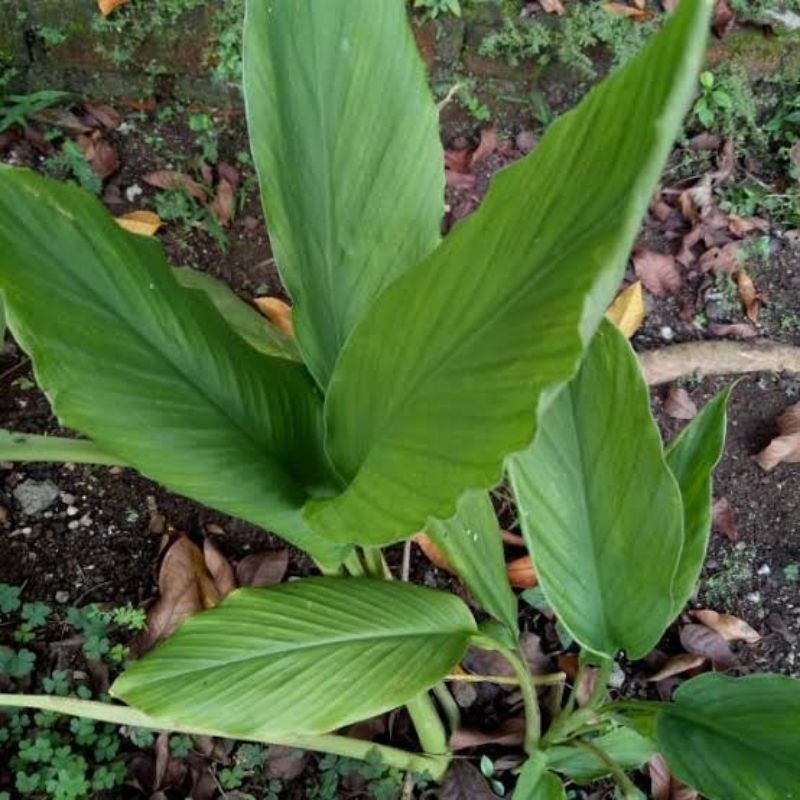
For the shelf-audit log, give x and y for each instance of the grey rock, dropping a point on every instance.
(35, 496)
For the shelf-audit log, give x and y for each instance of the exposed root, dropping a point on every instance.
(699, 359)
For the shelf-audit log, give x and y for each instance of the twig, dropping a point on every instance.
(507, 680)
(677, 361)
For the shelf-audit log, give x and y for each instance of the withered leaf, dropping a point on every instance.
(677, 665)
(736, 330)
(224, 203)
(107, 6)
(663, 786)
(705, 141)
(486, 146)
(142, 222)
(784, 448)
(464, 782)
(220, 568)
(552, 7)
(621, 10)
(741, 226)
(521, 573)
(751, 302)
(678, 404)
(657, 271)
(725, 259)
(432, 552)
(277, 312)
(509, 733)
(263, 569)
(723, 520)
(285, 763)
(723, 19)
(459, 180)
(229, 173)
(731, 628)
(106, 115)
(628, 311)
(702, 641)
(172, 179)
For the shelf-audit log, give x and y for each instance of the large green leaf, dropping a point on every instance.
(735, 738)
(150, 371)
(444, 375)
(600, 510)
(345, 138)
(473, 545)
(253, 327)
(301, 658)
(32, 447)
(692, 456)
(535, 783)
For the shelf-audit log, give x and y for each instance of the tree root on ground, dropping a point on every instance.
(698, 359)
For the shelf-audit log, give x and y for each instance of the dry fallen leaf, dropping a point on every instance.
(663, 786)
(509, 733)
(736, 330)
(657, 271)
(171, 179)
(432, 552)
(784, 448)
(277, 312)
(741, 226)
(107, 6)
(628, 311)
(521, 574)
(621, 10)
(145, 223)
(722, 259)
(751, 302)
(463, 781)
(731, 628)
(678, 403)
(459, 180)
(723, 19)
(552, 7)
(224, 203)
(220, 569)
(702, 641)
(723, 520)
(677, 665)
(263, 569)
(486, 146)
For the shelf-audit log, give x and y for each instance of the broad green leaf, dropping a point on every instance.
(444, 375)
(600, 510)
(150, 371)
(734, 738)
(535, 783)
(302, 658)
(29, 447)
(473, 545)
(692, 456)
(345, 138)
(252, 326)
(623, 745)
(2, 321)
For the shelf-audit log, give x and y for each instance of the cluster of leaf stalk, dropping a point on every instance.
(422, 371)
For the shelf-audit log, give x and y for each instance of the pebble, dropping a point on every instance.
(67, 499)
(73, 525)
(764, 569)
(667, 334)
(616, 679)
(132, 192)
(62, 597)
(71, 511)
(525, 141)
(465, 694)
(754, 597)
(85, 521)
(35, 496)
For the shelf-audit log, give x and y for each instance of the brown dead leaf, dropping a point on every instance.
(663, 786)
(784, 448)
(432, 552)
(229, 173)
(722, 259)
(509, 733)
(486, 146)
(107, 6)
(285, 763)
(723, 19)
(628, 311)
(263, 569)
(185, 587)
(702, 641)
(144, 223)
(621, 10)
(219, 568)
(463, 781)
(552, 7)
(723, 520)
(657, 271)
(587, 683)
(742, 226)
(677, 665)
(102, 157)
(492, 662)
(751, 301)
(568, 664)
(678, 403)
(224, 203)
(171, 179)
(735, 330)
(521, 573)
(277, 312)
(513, 539)
(106, 115)
(705, 141)
(731, 628)
(459, 180)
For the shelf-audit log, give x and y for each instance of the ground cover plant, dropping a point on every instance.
(507, 340)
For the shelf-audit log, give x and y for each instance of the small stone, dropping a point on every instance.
(72, 511)
(85, 521)
(616, 680)
(754, 597)
(74, 525)
(26, 531)
(62, 597)
(35, 496)
(764, 569)
(67, 499)
(132, 192)
(465, 694)
(666, 333)
(525, 141)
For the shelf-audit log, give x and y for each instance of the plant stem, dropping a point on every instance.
(375, 564)
(506, 680)
(353, 564)
(629, 791)
(434, 765)
(449, 705)
(533, 722)
(428, 725)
